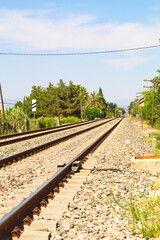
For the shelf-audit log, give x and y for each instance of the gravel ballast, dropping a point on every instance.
(20, 179)
(91, 215)
(26, 144)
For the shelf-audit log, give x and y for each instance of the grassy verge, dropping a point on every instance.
(142, 213)
(157, 136)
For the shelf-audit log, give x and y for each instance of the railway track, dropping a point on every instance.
(40, 203)
(42, 130)
(29, 173)
(20, 155)
(13, 138)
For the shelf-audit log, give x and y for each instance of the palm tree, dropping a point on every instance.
(94, 100)
(97, 100)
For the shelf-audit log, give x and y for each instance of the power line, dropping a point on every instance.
(80, 53)
(12, 100)
(9, 103)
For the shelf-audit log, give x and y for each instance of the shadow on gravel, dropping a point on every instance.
(103, 169)
(108, 169)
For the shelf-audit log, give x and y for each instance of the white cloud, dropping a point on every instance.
(38, 31)
(126, 63)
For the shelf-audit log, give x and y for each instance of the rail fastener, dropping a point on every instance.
(76, 166)
(31, 205)
(61, 165)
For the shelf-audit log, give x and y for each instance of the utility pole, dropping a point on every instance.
(1, 95)
(81, 109)
(57, 103)
(141, 103)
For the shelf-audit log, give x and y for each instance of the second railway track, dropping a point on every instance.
(42, 144)
(35, 200)
(13, 138)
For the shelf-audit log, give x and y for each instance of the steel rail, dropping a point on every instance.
(41, 130)
(40, 134)
(38, 130)
(23, 154)
(34, 131)
(15, 217)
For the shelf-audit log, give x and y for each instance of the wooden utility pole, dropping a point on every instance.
(1, 96)
(141, 103)
(81, 109)
(57, 103)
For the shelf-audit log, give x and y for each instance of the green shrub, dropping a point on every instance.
(15, 121)
(110, 114)
(50, 122)
(46, 122)
(69, 119)
(143, 214)
(158, 145)
(157, 124)
(157, 136)
(92, 113)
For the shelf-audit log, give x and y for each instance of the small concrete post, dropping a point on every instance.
(153, 143)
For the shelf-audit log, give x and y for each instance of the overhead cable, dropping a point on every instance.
(79, 53)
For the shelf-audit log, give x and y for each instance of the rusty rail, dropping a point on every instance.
(41, 130)
(7, 142)
(23, 154)
(15, 217)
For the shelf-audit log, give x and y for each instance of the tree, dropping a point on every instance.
(19, 104)
(103, 102)
(147, 109)
(36, 93)
(151, 109)
(56, 100)
(16, 118)
(157, 106)
(133, 107)
(111, 108)
(92, 113)
(94, 100)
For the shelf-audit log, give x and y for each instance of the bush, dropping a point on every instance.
(15, 120)
(143, 214)
(46, 122)
(110, 114)
(69, 119)
(92, 113)
(157, 124)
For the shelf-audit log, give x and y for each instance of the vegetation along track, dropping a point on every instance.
(38, 200)
(38, 133)
(33, 150)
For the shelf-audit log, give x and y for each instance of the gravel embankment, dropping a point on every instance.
(48, 131)
(18, 180)
(26, 144)
(91, 216)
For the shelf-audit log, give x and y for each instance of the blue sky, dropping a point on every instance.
(45, 26)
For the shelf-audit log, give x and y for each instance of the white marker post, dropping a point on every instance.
(34, 103)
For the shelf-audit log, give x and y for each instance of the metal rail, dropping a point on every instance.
(23, 154)
(7, 142)
(15, 217)
(42, 130)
